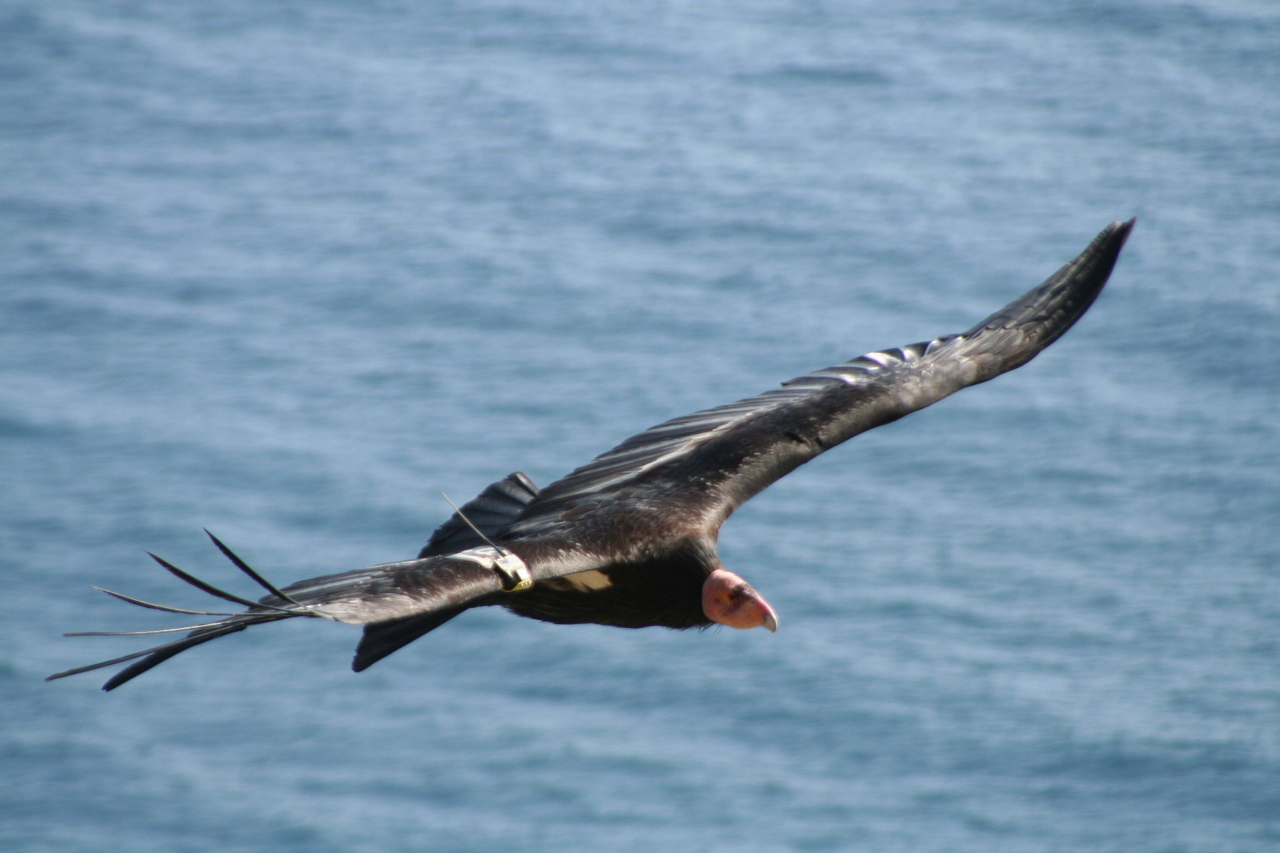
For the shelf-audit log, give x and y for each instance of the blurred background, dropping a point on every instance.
(288, 270)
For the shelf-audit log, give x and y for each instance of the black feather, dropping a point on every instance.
(213, 590)
(244, 567)
(491, 510)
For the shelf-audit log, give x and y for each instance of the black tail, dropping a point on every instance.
(490, 511)
(272, 608)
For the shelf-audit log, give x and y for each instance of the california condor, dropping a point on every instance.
(629, 539)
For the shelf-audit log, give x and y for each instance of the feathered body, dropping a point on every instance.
(629, 539)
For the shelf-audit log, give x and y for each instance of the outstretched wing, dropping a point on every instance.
(702, 466)
(491, 510)
(391, 592)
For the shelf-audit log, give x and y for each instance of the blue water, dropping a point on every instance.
(289, 270)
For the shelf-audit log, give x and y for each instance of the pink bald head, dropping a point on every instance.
(729, 600)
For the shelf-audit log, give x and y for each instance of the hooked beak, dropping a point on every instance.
(729, 600)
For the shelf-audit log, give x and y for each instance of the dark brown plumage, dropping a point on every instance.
(629, 539)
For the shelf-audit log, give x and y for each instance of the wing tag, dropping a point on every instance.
(512, 570)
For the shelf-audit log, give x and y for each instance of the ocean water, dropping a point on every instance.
(289, 270)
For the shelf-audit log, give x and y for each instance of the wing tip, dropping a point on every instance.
(1090, 271)
(1117, 233)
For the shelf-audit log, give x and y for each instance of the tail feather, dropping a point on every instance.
(382, 638)
(490, 511)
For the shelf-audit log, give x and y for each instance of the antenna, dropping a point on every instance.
(510, 568)
(478, 531)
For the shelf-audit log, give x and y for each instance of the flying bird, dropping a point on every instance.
(629, 539)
